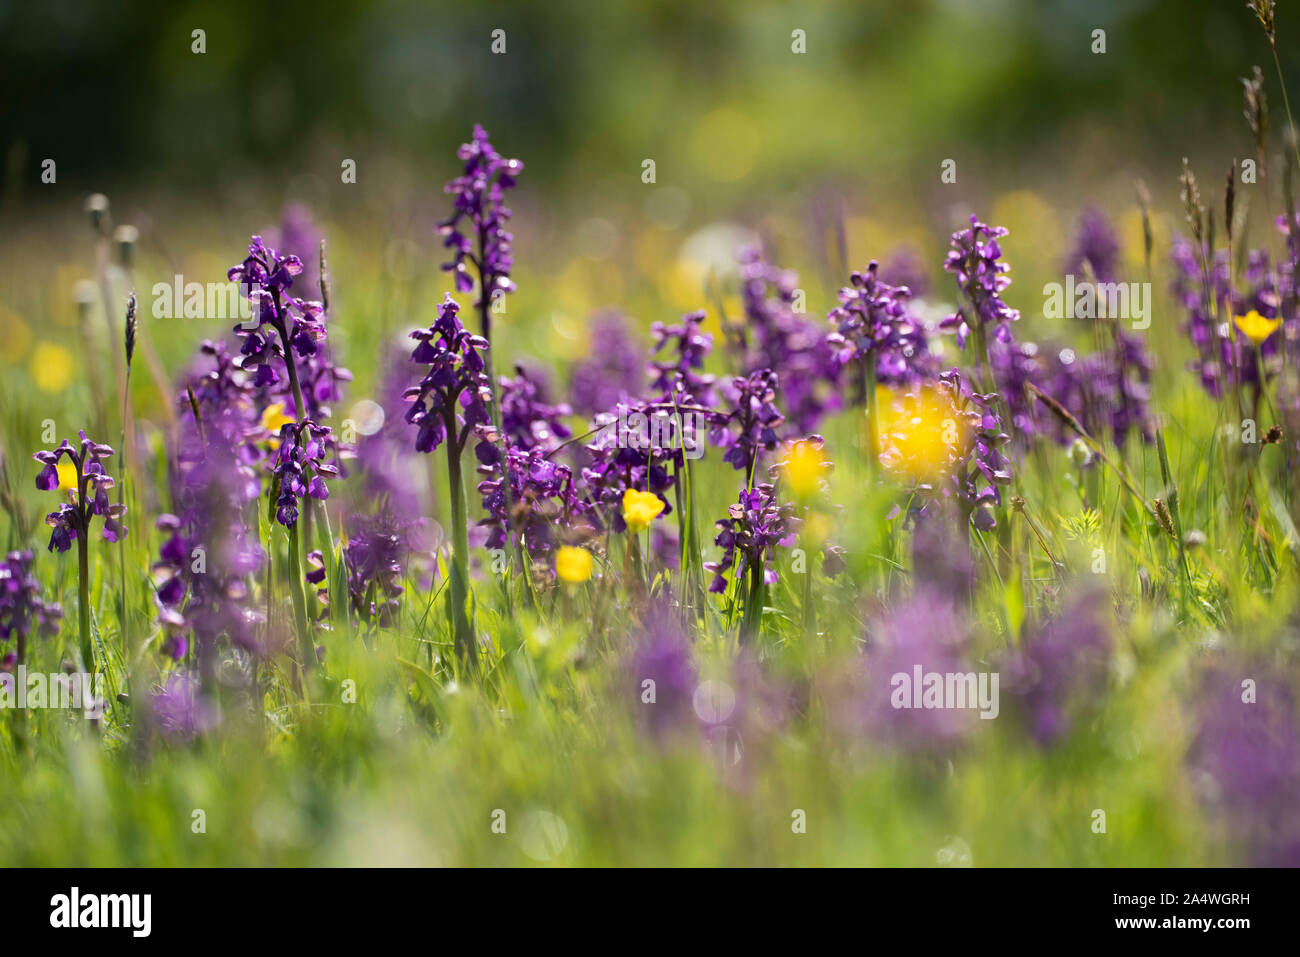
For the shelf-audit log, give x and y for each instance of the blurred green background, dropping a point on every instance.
(833, 156)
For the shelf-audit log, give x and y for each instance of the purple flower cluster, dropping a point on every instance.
(89, 498)
(873, 325)
(300, 468)
(375, 557)
(755, 526)
(179, 710)
(1203, 285)
(751, 424)
(542, 497)
(905, 267)
(456, 388)
(1106, 391)
(975, 259)
(219, 386)
(791, 345)
(981, 469)
(203, 569)
(21, 607)
(481, 218)
(527, 418)
(679, 378)
(284, 323)
(615, 464)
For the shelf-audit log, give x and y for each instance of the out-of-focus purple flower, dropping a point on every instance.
(88, 499)
(1247, 752)
(179, 711)
(209, 554)
(1203, 285)
(873, 325)
(527, 418)
(662, 654)
(679, 377)
(665, 547)
(906, 267)
(922, 634)
(1016, 366)
(1062, 668)
(941, 560)
(375, 557)
(975, 259)
(613, 372)
(456, 390)
(790, 344)
(981, 469)
(749, 536)
(481, 217)
(1096, 244)
(1126, 386)
(300, 468)
(21, 607)
(298, 235)
(389, 473)
(752, 423)
(1106, 391)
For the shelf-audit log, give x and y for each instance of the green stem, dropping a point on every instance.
(873, 428)
(750, 624)
(121, 498)
(306, 649)
(83, 598)
(458, 575)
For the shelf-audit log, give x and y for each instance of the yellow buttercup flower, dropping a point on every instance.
(640, 509)
(804, 468)
(67, 476)
(573, 565)
(52, 367)
(918, 433)
(1256, 327)
(272, 418)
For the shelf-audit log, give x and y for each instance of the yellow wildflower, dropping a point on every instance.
(67, 476)
(640, 509)
(573, 565)
(272, 418)
(1256, 327)
(52, 367)
(804, 468)
(918, 433)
